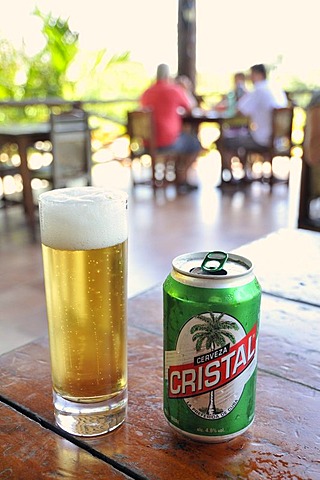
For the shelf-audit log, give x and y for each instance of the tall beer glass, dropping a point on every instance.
(84, 247)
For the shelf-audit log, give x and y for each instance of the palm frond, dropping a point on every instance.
(210, 344)
(228, 325)
(216, 316)
(219, 339)
(204, 318)
(230, 336)
(199, 344)
(196, 328)
(199, 335)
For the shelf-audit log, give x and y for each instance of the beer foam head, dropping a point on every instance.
(83, 218)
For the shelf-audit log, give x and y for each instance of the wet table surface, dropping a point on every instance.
(287, 263)
(283, 442)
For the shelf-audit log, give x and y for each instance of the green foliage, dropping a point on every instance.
(61, 70)
(10, 66)
(107, 78)
(40, 76)
(47, 72)
(44, 74)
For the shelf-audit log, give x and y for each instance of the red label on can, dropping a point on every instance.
(213, 369)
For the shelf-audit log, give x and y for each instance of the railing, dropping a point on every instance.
(30, 110)
(299, 97)
(107, 120)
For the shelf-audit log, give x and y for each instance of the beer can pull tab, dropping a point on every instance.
(214, 262)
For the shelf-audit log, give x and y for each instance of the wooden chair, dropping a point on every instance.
(281, 141)
(161, 168)
(7, 169)
(280, 145)
(71, 149)
(17, 197)
(15, 141)
(309, 202)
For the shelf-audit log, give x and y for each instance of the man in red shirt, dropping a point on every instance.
(165, 98)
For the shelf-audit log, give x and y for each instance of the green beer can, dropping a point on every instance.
(211, 303)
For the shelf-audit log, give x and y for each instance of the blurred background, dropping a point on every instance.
(108, 51)
(231, 36)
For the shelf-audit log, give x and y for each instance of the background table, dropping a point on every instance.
(25, 136)
(198, 116)
(282, 443)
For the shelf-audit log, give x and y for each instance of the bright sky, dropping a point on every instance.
(231, 35)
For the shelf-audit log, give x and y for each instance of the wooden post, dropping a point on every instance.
(187, 39)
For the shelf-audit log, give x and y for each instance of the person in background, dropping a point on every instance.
(186, 84)
(239, 85)
(257, 105)
(229, 100)
(167, 101)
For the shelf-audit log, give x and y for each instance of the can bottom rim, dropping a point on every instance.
(212, 439)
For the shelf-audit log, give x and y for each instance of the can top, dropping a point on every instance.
(216, 264)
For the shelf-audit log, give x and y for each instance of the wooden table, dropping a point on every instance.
(25, 136)
(198, 116)
(193, 120)
(283, 442)
(287, 263)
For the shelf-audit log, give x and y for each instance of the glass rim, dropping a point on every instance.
(83, 194)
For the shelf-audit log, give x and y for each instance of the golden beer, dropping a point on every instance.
(84, 246)
(86, 304)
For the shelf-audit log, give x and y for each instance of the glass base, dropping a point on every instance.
(90, 419)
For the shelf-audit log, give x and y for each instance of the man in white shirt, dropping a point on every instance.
(257, 105)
